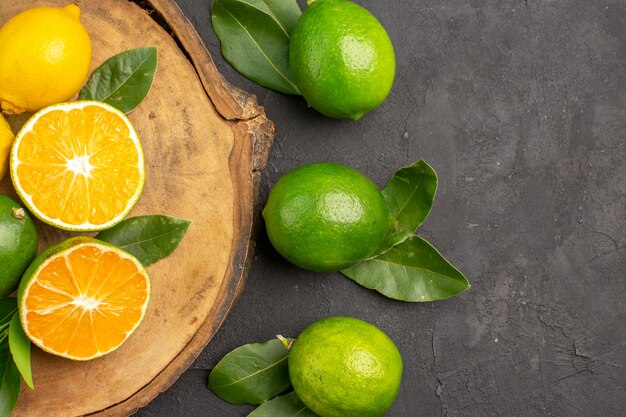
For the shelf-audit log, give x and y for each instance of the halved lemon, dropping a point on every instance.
(82, 298)
(78, 165)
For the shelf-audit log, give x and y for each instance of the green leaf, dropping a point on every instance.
(285, 12)
(254, 36)
(8, 307)
(20, 350)
(411, 271)
(288, 405)
(409, 196)
(149, 238)
(123, 80)
(9, 381)
(251, 374)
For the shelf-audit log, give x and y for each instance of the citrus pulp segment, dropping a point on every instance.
(78, 165)
(82, 298)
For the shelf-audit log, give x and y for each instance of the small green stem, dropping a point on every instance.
(309, 2)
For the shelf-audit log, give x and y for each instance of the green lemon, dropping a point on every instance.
(345, 367)
(341, 58)
(326, 217)
(18, 243)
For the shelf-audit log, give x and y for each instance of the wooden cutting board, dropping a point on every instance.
(205, 143)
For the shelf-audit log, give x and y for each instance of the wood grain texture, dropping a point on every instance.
(205, 143)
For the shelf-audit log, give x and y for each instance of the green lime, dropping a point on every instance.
(341, 58)
(18, 243)
(326, 217)
(345, 367)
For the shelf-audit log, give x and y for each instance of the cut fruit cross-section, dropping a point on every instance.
(82, 298)
(78, 166)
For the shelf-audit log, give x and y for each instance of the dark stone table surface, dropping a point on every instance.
(520, 106)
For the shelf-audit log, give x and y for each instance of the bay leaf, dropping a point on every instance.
(9, 381)
(409, 196)
(254, 37)
(149, 238)
(288, 405)
(411, 271)
(19, 345)
(251, 374)
(8, 307)
(123, 80)
(285, 12)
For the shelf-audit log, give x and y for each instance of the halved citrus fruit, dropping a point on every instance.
(78, 165)
(82, 298)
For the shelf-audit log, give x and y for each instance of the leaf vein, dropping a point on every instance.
(252, 374)
(277, 20)
(299, 411)
(155, 237)
(263, 52)
(406, 203)
(425, 270)
(119, 87)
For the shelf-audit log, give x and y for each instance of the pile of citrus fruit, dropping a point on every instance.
(322, 217)
(77, 166)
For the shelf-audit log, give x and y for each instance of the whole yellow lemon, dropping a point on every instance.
(45, 54)
(6, 140)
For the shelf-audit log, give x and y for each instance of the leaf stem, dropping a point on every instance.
(286, 342)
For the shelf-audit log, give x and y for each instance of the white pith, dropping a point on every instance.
(80, 165)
